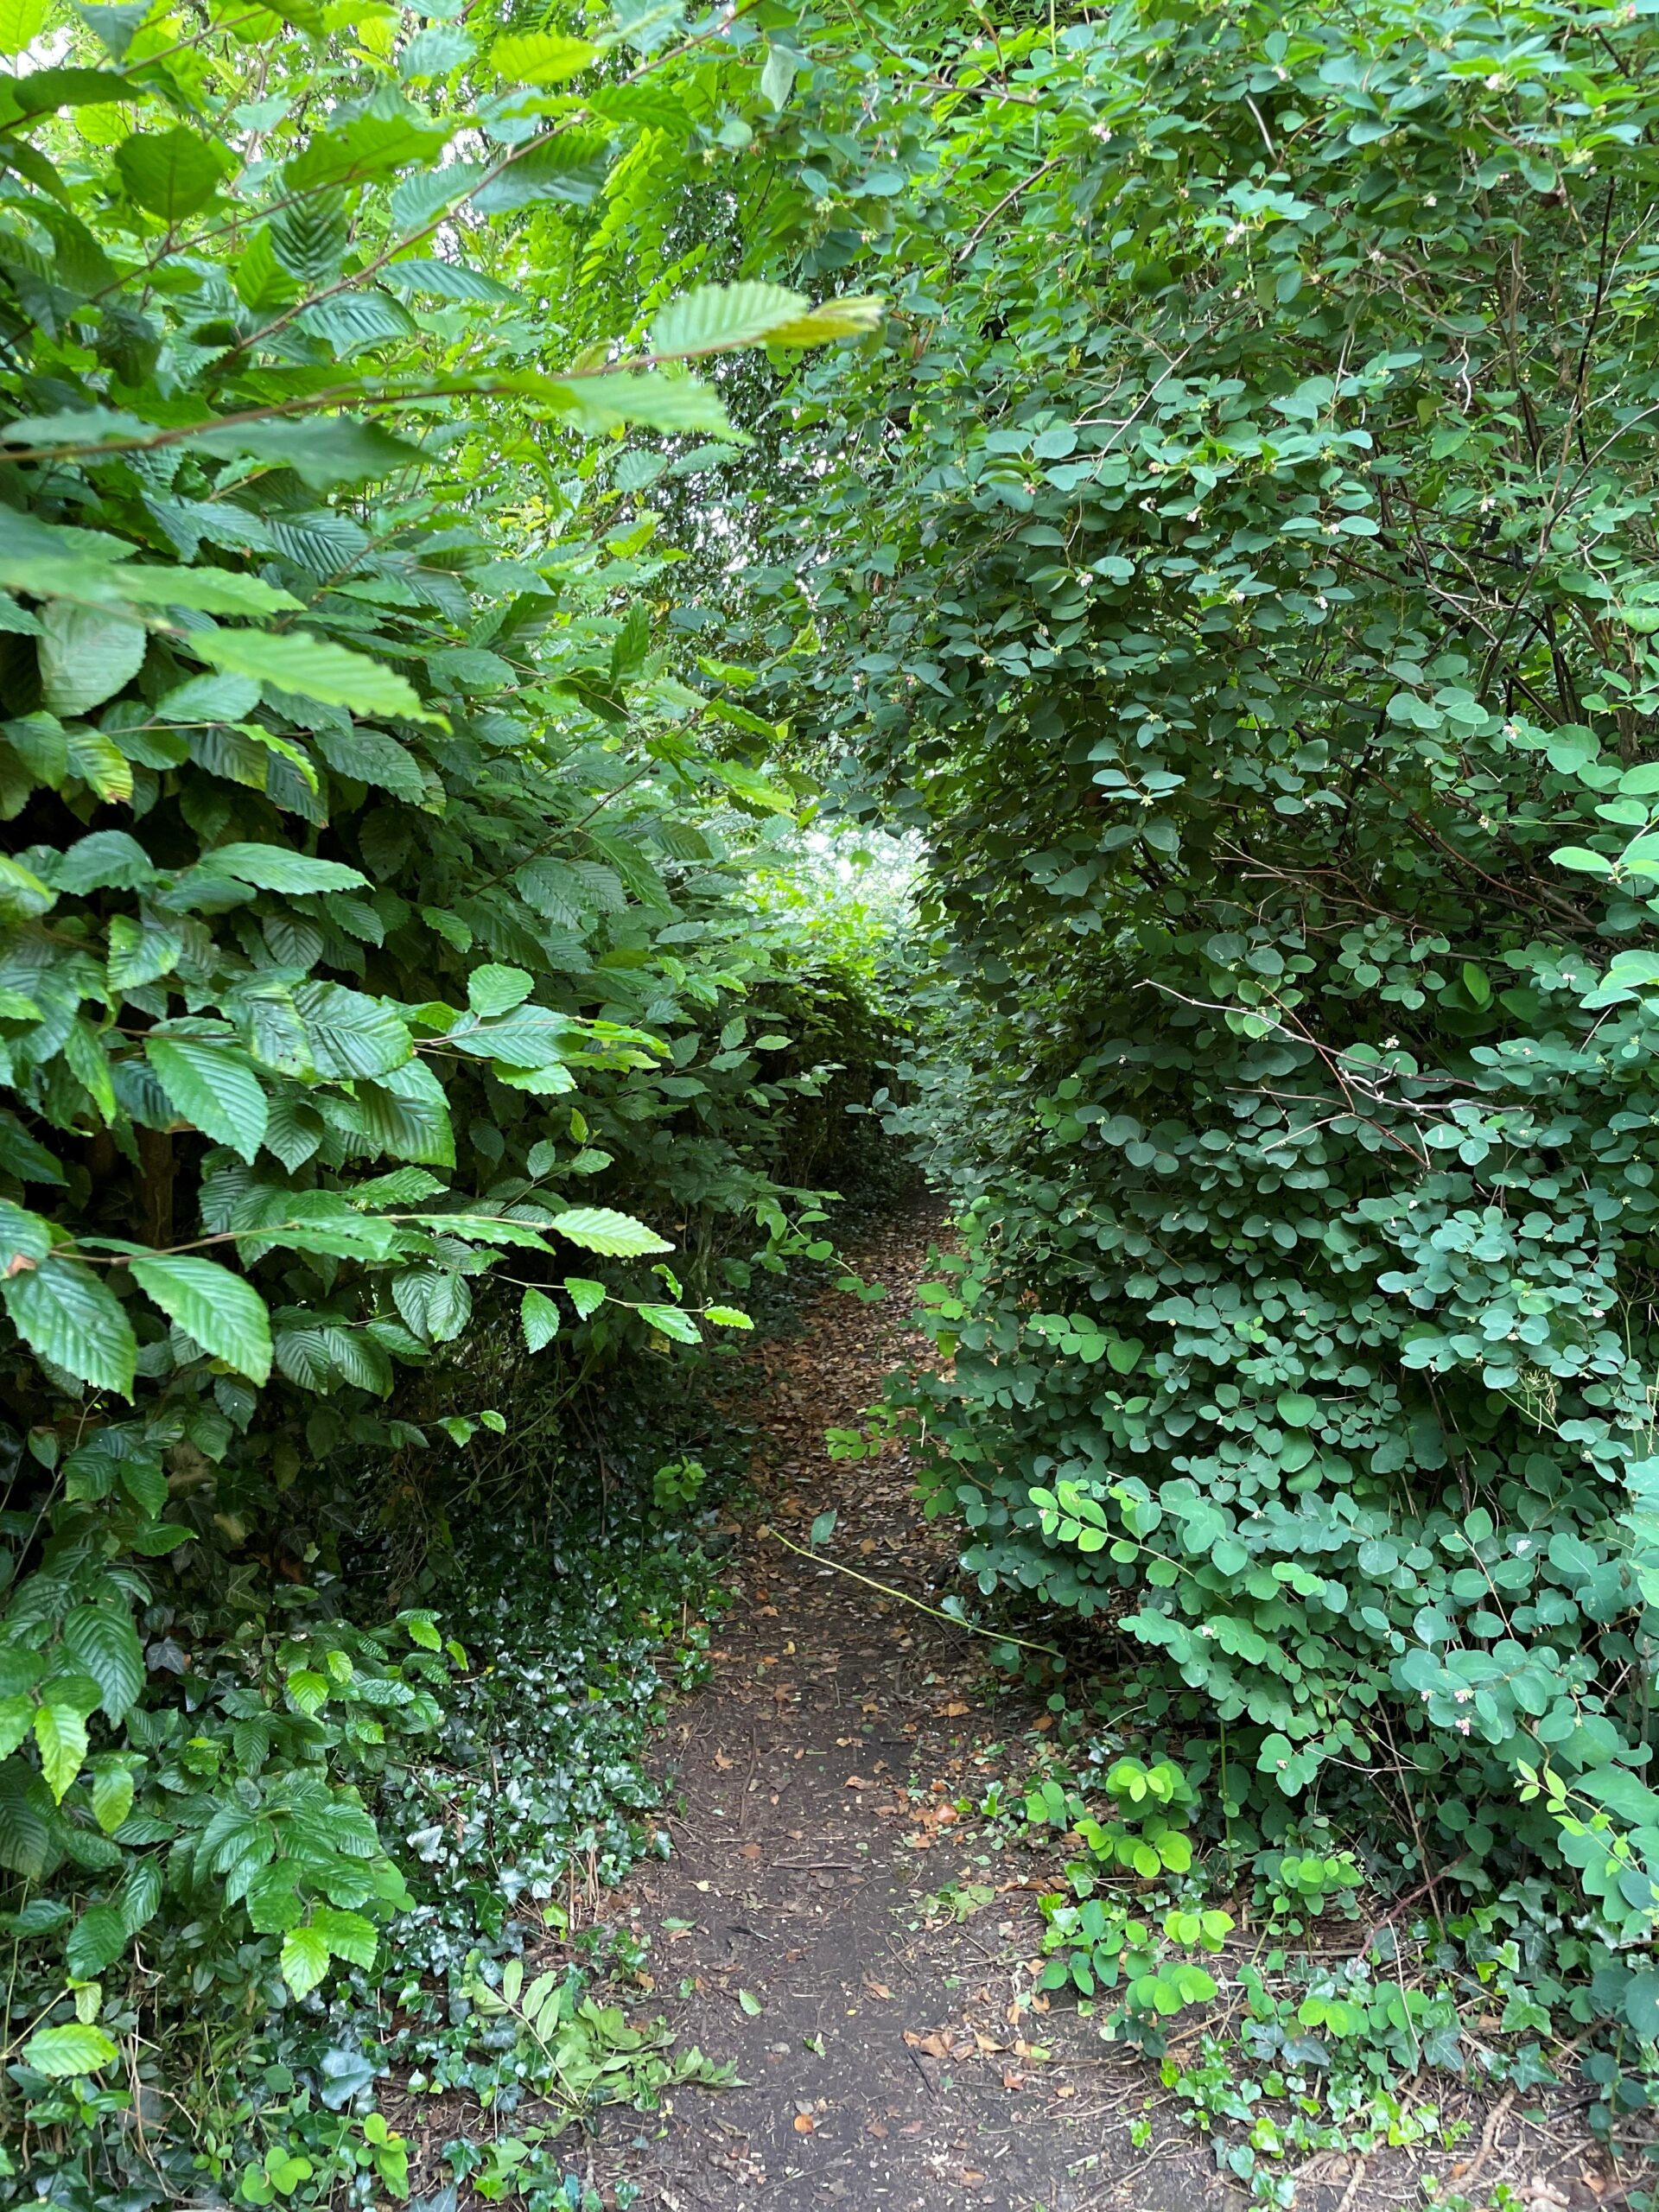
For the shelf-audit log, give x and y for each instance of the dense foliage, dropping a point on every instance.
(1240, 564)
(374, 970)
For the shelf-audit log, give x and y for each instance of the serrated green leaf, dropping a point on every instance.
(96, 1942)
(61, 1738)
(647, 397)
(600, 1229)
(171, 174)
(278, 867)
(305, 1960)
(313, 668)
(104, 1643)
(348, 1934)
(113, 1793)
(540, 57)
(539, 1317)
(716, 317)
(68, 1315)
(585, 1295)
(87, 654)
(224, 1314)
(213, 1088)
(75, 2048)
(671, 1322)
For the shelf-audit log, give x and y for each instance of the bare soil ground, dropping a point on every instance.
(887, 2048)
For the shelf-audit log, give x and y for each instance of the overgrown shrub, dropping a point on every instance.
(1240, 563)
(372, 957)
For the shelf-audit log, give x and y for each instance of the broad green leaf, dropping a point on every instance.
(652, 399)
(822, 326)
(599, 1228)
(87, 654)
(96, 1941)
(61, 1738)
(17, 1719)
(213, 1088)
(571, 168)
(671, 1322)
(348, 1934)
(717, 316)
(113, 1793)
(278, 867)
(540, 57)
(171, 174)
(727, 1316)
(586, 1295)
(207, 591)
(323, 450)
(75, 2048)
(494, 989)
(352, 1035)
(21, 23)
(539, 1317)
(68, 1314)
(313, 668)
(305, 1960)
(225, 1314)
(447, 280)
(104, 1643)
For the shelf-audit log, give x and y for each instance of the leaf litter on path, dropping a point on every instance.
(883, 2048)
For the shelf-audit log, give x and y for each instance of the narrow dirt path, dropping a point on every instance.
(831, 1927)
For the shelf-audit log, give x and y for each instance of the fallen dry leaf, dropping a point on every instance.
(878, 1989)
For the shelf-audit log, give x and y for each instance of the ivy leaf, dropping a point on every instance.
(213, 1088)
(600, 1229)
(68, 1315)
(224, 1314)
